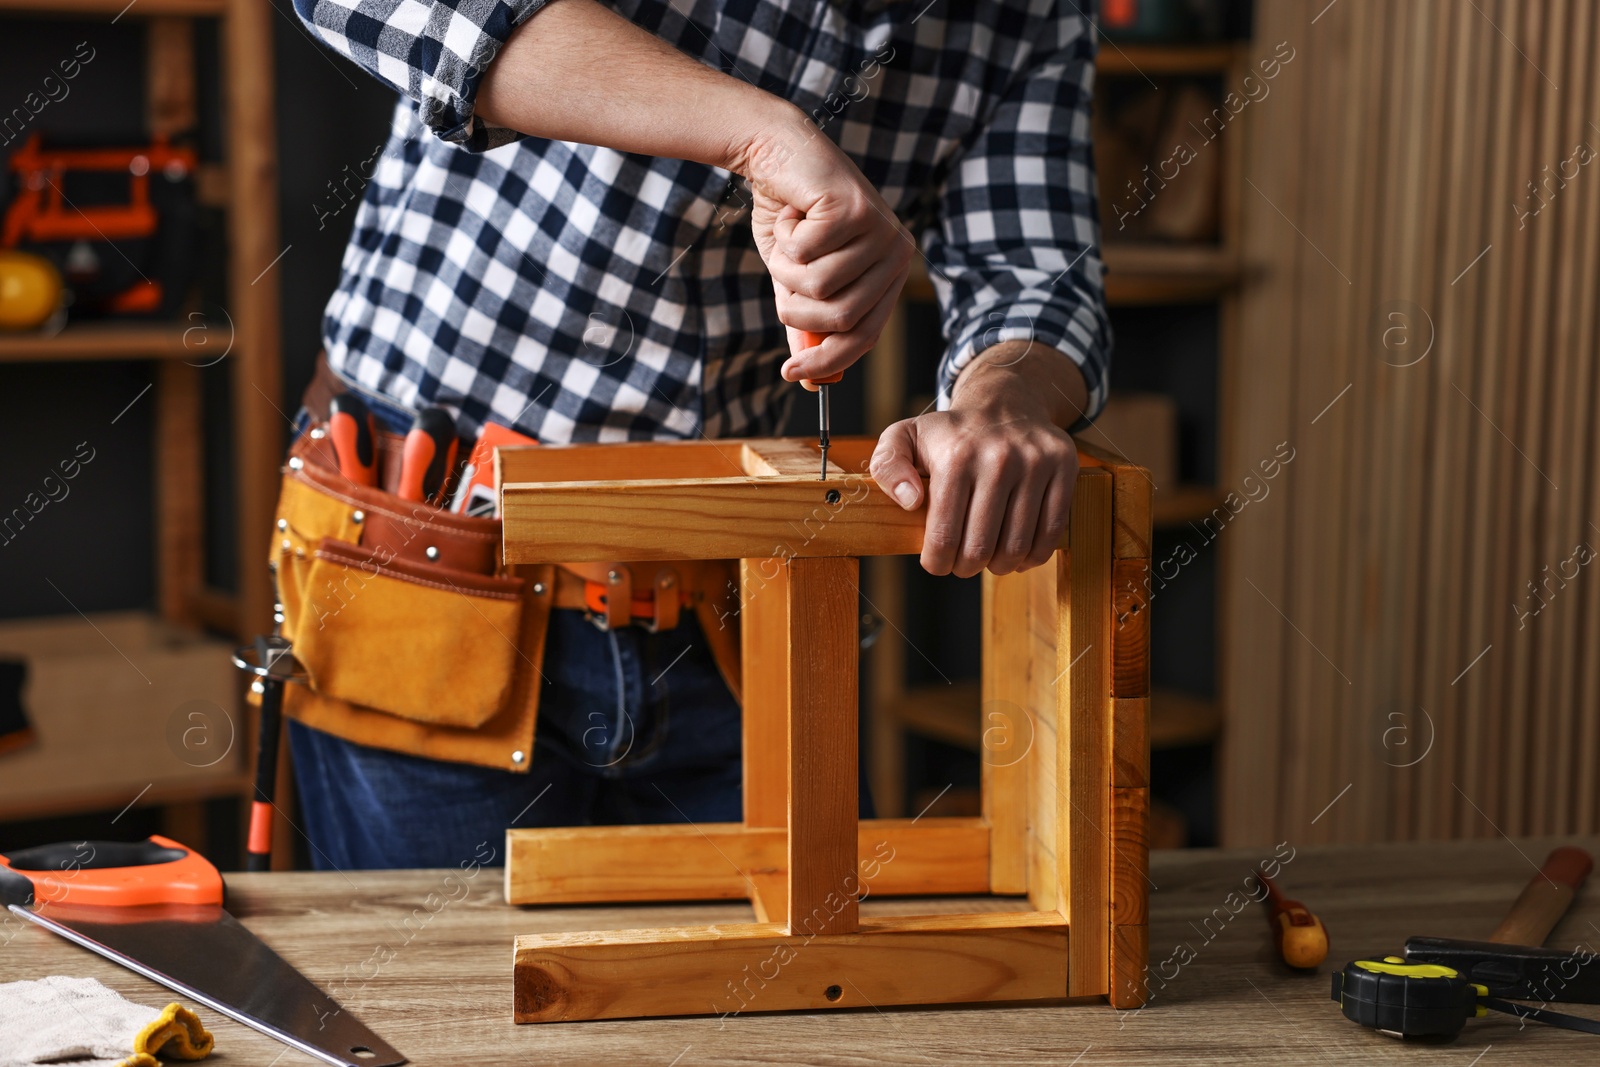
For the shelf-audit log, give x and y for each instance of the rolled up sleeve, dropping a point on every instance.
(433, 51)
(1015, 250)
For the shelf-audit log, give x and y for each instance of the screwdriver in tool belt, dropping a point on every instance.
(428, 456)
(353, 433)
(812, 340)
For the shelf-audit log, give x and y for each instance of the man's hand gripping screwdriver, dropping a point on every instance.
(820, 385)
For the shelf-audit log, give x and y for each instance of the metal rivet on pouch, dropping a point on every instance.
(295, 463)
(318, 433)
(287, 544)
(538, 589)
(257, 688)
(431, 552)
(358, 517)
(272, 568)
(614, 576)
(517, 756)
(283, 525)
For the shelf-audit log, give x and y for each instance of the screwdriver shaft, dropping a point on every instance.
(822, 424)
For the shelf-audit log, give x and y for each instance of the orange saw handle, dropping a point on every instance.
(812, 340)
(115, 874)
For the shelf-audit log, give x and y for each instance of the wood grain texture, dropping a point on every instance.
(716, 861)
(823, 766)
(179, 490)
(1130, 855)
(620, 461)
(1134, 502)
(1130, 620)
(1130, 953)
(433, 977)
(764, 656)
(1083, 657)
(705, 518)
(1130, 742)
(253, 248)
(1046, 772)
(1438, 391)
(788, 457)
(762, 967)
(1008, 728)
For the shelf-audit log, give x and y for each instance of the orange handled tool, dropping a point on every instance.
(354, 437)
(155, 907)
(1302, 939)
(428, 455)
(812, 340)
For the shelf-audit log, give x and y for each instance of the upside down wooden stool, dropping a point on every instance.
(1065, 759)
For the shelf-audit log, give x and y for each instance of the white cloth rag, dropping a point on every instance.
(73, 1020)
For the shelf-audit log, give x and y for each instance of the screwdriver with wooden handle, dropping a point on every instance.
(812, 340)
(1301, 937)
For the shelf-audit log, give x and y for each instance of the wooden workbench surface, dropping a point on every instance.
(432, 974)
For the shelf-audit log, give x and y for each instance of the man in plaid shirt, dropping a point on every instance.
(604, 222)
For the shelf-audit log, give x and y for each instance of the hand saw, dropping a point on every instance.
(155, 907)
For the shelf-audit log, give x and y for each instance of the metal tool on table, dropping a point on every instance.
(428, 456)
(812, 340)
(354, 434)
(155, 907)
(1301, 938)
(1440, 983)
(271, 661)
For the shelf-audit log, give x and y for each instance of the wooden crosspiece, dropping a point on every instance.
(1065, 753)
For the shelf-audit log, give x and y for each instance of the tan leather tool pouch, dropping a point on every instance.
(415, 639)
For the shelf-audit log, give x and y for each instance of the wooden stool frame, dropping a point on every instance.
(1065, 771)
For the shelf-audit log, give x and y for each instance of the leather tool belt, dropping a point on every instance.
(416, 638)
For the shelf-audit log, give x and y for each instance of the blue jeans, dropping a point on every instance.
(633, 728)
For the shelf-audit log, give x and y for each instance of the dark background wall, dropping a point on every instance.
(95, 545)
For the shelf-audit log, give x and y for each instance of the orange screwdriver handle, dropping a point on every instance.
(353, 433)
(812, 340)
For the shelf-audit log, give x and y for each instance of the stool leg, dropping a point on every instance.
(823, 771)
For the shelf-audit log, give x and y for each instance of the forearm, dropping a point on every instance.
(577, 71)
(1025, 378)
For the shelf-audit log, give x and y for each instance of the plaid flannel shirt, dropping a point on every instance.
(577, 293)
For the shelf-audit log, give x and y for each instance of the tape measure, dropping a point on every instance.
(1404, 999)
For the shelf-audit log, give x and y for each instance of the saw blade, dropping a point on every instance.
(202, 952)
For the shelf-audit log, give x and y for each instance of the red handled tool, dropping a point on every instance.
(428, 456)
(355, 438)
(1301, 937)
(155, 907)
(812, 340)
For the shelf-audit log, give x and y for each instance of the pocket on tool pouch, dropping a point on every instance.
(423, 641)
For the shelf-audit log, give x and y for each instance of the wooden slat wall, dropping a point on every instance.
(1436, 485)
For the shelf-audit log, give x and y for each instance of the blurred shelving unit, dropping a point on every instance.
(1139, 274)
(246, 179)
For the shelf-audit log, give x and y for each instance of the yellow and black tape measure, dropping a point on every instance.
(1406, 999)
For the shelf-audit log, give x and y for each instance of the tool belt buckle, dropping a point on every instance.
(611, 604)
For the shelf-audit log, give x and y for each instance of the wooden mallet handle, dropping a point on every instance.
(1545, 898)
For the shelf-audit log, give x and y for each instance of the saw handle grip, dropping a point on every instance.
(809, 339)
(114, 874)
(1545, 899)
